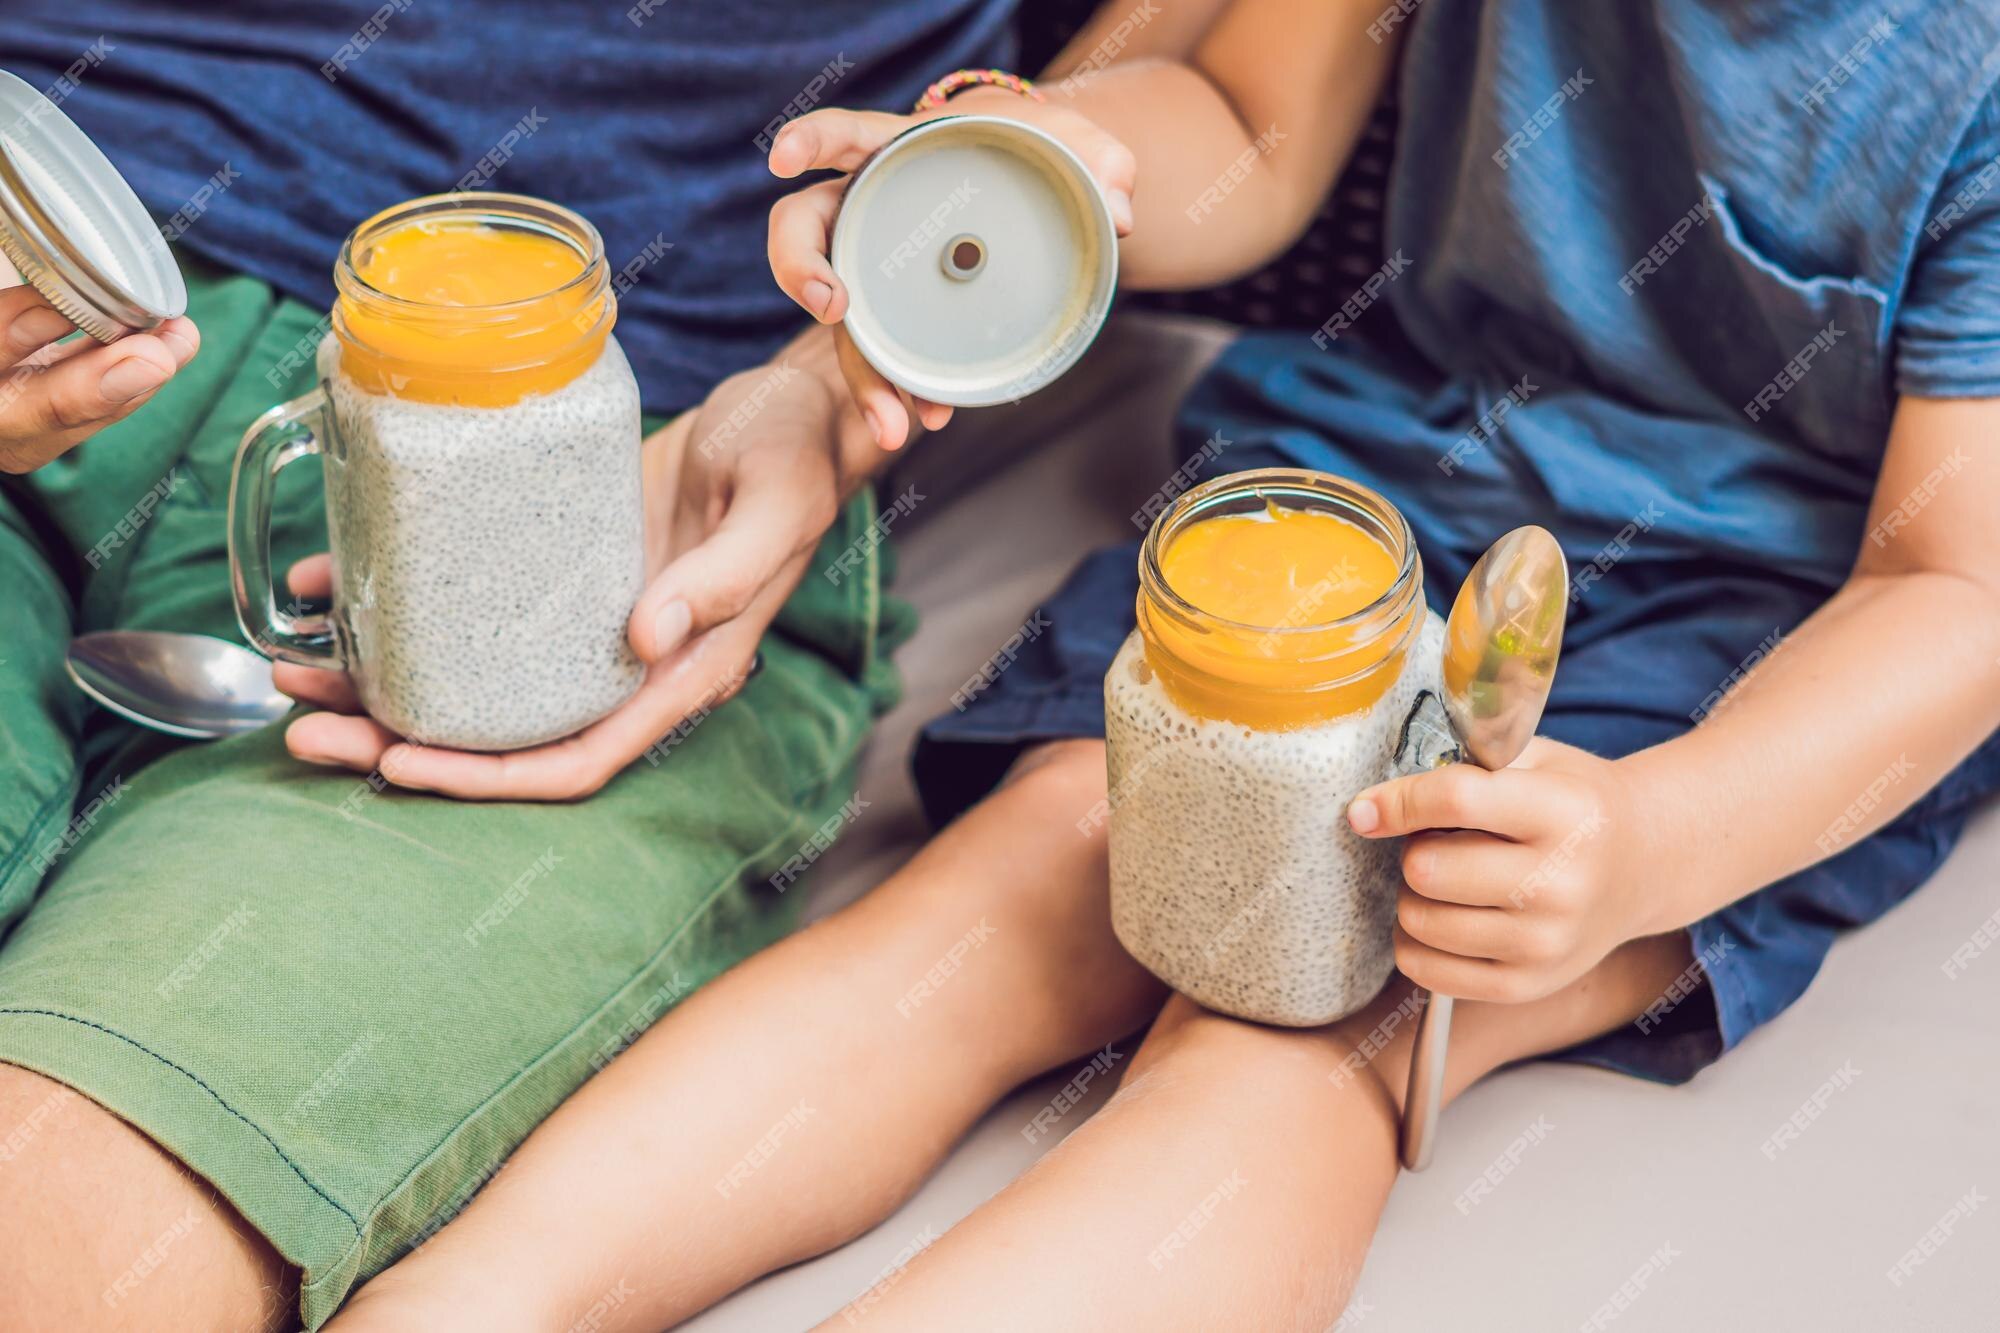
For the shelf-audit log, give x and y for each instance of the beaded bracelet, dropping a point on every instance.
(958, 81)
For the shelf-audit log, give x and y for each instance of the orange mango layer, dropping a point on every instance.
(495, 319)
(1281, 575)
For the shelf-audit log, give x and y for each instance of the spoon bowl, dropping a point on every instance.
(183, 684)
(1501, 643)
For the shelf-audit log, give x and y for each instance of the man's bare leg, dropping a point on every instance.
(103, 1231)
(1236, 1178)
(796, 1100)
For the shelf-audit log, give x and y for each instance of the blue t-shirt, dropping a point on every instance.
(655, 130)
(1657, 268)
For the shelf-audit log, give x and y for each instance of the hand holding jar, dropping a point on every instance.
(1516, 882)
(514, 571)
(730, 532)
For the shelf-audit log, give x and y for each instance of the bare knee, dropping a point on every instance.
(106, 1231)
(1051, 893)
(1048, 870)
(1305, 1064)
(1303, 1160)
(1068, 774)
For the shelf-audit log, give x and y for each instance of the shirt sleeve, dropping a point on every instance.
(1947, 333)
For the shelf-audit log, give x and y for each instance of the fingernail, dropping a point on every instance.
(178, 344)
(1121, 210)
(130, 378)
(1363, 815)
(36, 328)
(874, 425)
(818, 297)
(323, 761)
(670, 626)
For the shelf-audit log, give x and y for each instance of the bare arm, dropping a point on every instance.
(1238, 147)
(1840, 727)
(1134, 30)
(1868, 704)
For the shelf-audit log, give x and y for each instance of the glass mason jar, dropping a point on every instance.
(479, 432)
(1234, 750)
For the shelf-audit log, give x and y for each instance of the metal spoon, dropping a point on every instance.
(183, 684)
(1501, 643)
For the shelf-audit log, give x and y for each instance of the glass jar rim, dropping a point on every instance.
(562, 223)
(1272, 483)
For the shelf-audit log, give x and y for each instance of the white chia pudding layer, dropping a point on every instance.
(487, 559)
(1234, 876)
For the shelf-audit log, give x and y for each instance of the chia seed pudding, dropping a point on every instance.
(487, 559)
(1234, 875)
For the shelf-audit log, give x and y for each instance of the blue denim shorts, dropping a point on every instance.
(1654, 640)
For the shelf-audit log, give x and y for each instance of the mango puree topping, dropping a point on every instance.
(481, 315)
(1273, 581)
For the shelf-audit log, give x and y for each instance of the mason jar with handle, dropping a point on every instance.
(1283, 661)
(1235, 744)
(479, 432)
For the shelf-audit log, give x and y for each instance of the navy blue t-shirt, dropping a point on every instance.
(649, 118)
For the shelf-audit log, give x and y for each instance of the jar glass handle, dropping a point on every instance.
(1426, 740)
(282, 435)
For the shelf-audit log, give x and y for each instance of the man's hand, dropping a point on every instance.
(736, 502)
(1517, 882)
(53, 397)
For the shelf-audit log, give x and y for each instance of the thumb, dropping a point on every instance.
(714, 582)
(47, 406)
(832, 139)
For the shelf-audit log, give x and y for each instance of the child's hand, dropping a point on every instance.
(1516, 882)
(802, 223)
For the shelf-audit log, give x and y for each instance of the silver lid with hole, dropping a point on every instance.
(979, 258)
(74, 228)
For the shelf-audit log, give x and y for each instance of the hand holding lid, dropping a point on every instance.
(75, 231)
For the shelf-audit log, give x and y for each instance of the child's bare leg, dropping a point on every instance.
(831, 1048)
(1236, 1178)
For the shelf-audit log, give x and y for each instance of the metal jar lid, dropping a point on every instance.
(74, 228)
(979, 257)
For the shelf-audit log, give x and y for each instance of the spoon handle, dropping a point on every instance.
(1426, 742)
(1424, 1094)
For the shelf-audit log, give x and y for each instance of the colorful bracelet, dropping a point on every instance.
(942, 91)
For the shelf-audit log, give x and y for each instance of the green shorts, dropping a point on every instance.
(345, 1006)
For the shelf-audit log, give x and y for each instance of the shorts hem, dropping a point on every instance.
(188, 1119)
(332, 1242)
